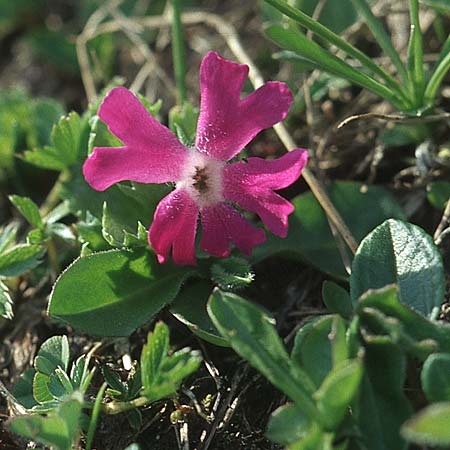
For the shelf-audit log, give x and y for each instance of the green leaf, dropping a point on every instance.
(402, 253)
(382, 405)
(287, 425)
(438, 194)
(232, 274)
(309, 236)
(294, 40)
(23, 389)
(59, 429)
(6, 302)
(250, 332)
(418, 327)
(336, 15)
(162, 373)
(28, 208)
(41, 391)
(440, 5)
(183, 122)
(20, 259)
(313, 350)
(153, 354)
(67, 144)
(435, 377)
(337, 299)
(112, 293)
(430, 426)
(189, 308)
(54, 353)
(8, 236)
(59, 384)
(338, 390)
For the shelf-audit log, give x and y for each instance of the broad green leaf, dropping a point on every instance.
(6, 302)
(28, 209)
(337, 299)
(54, 353)
(430, 426)
(313, 349)
(336, 15)
(287, 425)
(251, 334)
(438, 193)
(435, 377)
(310, 238)
(382, 406)
(418, 327)
(338, 390)
(112, 293)
(402, 253)
(189, 308)
(20, 259)
(153, 354)
(59, 384)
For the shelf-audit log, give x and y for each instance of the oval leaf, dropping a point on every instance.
(114, 292)
(401, 253)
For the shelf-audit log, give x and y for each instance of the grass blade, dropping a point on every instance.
(297, 42)
(415, 54)
(381, 36)
(332, 38)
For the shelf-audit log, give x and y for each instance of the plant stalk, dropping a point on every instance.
(178, 53)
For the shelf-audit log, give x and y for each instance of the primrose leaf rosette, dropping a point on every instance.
(206, 186)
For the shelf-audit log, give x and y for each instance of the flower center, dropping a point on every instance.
(202, 178)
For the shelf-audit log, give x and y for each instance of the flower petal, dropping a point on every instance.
(152, 154)
(251, 186)
(174, 226)
(227, 123)
(222, 224)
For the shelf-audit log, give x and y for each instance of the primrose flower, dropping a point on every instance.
(206, 185)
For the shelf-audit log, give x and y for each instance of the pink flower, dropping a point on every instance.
(205, 184)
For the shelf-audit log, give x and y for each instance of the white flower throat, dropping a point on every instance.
(202, 178)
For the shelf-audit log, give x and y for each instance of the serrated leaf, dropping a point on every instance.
(20, 259)
(28, 208)
(402, 253)
(8, 235)
(435, 377)
(66, 137)
(54, 353)
(430, 426)
(6, 302)
(153, 354)
(114, 292)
